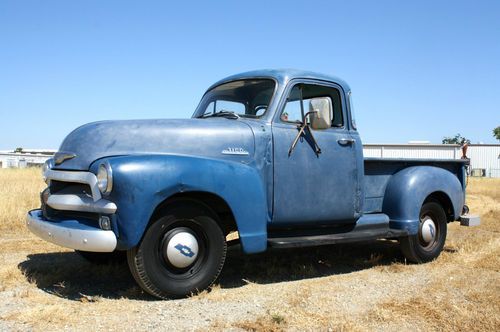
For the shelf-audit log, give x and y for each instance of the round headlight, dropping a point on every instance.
(47, 165)
(104, 178)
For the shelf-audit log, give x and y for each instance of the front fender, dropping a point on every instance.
(408, 189)
(141, 183)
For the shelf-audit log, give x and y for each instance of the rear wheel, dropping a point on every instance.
(429, 242)
(181, 252)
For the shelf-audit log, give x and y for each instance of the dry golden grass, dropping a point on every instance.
(358, 287)
(465, 292)
(19, 192)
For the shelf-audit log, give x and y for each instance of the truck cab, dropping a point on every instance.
(274, 155)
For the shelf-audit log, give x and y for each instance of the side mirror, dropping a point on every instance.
(322, 110)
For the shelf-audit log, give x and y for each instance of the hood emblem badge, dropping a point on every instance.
(60, 157)
(235, 151)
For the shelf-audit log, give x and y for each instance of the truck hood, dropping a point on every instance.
(212, 138)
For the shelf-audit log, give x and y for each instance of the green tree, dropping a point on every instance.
(496, 133)
(20, 150)
(457, 139)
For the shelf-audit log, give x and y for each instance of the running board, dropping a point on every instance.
(368, 227)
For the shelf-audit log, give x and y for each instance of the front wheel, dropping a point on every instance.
(180, 254)
(429, 242)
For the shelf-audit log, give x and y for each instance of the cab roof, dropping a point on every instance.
(283, 76)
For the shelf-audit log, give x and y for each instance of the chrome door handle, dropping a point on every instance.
(346, 141)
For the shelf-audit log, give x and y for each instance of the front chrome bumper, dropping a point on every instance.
(71, 233)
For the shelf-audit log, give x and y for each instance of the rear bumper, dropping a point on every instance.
(470, 220)
(71, 233)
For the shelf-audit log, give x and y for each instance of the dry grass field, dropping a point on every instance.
(343, 287)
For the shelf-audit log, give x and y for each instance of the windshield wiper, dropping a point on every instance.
(222, 113)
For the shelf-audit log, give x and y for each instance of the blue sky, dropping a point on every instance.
(418, 70)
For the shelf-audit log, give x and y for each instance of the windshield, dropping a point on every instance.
(245, 98)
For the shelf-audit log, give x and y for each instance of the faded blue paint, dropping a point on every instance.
(300, 177)
(141, 183)
(407, 190)
(379, 172)
(153, 160)
(282, 77)
(195, 137)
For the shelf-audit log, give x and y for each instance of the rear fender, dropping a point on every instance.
(408, 189)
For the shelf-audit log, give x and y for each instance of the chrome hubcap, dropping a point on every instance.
(181, 250)
(428, 230)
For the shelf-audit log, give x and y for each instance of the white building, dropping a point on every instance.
(484, 158)
(26, 158)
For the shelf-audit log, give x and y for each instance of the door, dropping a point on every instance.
(311, 187)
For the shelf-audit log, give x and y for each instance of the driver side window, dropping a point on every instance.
(305, 93)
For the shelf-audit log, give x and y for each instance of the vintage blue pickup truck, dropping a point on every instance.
(274, 155)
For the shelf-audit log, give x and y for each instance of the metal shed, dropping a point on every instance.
(24, 159)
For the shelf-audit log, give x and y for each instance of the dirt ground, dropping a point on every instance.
(361, 287)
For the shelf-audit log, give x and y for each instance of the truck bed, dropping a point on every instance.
(378, 172)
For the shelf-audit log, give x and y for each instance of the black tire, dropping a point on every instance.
(153, 271)
(103, 257)
(414, 247)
